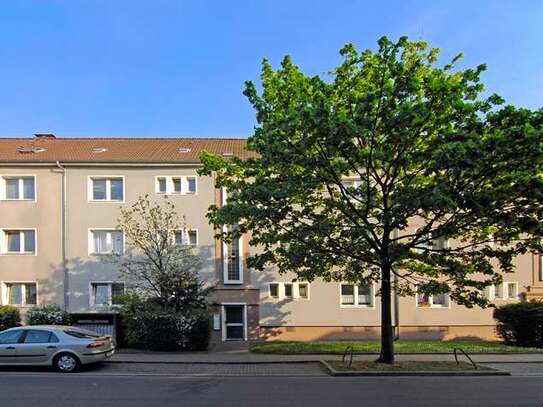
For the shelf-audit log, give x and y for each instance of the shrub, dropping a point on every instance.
(521, 324)
(157, 330)
(47, 315)
(9, 317)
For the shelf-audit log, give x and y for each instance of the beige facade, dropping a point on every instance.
(63, 268)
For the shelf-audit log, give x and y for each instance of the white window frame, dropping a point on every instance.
(170, 185)
(5, 291)
(355, 293)
(278, 291)
(4, 242)
(295, 290)
(223, 319)
(91, 231)
(186, 237)
(225, 261)
(431, 301)
(20, 177)
(506, 290)
(108, 179)
(110, 283)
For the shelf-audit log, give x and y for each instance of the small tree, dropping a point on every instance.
(158, 265)
(418, 144)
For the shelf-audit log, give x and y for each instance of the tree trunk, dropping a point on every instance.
(387, 337)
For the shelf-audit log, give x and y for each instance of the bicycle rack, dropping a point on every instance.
(465, 354)
(350, 351)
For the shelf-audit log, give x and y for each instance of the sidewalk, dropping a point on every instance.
(239, 354)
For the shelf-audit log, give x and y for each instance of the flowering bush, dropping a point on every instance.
(9, 317)
(47, 315)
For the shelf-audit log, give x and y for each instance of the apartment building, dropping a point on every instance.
(59, 203)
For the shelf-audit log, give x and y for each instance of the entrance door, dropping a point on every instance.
(234, 322)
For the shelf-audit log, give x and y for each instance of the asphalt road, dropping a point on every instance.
(91, 389)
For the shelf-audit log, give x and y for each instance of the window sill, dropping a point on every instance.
(18, 200)
(105, 201)
(345, 306)
(18, 254)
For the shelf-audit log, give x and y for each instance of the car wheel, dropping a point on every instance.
(66, 363)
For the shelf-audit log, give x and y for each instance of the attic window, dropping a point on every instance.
(183, 150)
(99, 149)
(227, 154)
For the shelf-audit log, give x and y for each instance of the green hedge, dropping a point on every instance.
(9, 317)
(156, 330)
(47, 315)
(521, 324)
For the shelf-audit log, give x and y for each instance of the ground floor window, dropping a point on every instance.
(20, 294)
(289, 291)
(106, 293)
(432, 301)
(357, 295)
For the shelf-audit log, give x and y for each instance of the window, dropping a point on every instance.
(357, 295)
(175, 185)
(274, 290)
(11, 337)
(440, 244)
(21, 294)
(21, 188)
(498, 291)
(106, 242)
(107, 189)
(432, 301)
(189, 236)
(191, 185)
(303, 291)
(233, 273)
(19, 241)
(161, 185)
(288, 290)
(105, 294)
(511, 291)
(39, 336)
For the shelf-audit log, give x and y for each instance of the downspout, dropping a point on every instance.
(63, 237)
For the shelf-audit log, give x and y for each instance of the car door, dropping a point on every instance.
(37, 346)
(9, 341)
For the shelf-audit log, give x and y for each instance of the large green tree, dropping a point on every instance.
(423, 146)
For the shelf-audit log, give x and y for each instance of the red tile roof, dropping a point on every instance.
(116, 150)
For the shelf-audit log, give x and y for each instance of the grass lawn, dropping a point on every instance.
(406, 366)
(399, 347)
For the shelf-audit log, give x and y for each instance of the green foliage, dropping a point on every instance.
(145, 325)
(47, 315)
(156, 266)
(422, 146)
(9, 317)
(521, 324)
(162, 331)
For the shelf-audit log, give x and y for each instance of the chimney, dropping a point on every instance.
(44, 136)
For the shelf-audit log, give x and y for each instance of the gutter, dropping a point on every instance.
(63, 236)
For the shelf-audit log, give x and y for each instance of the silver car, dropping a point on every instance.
(65, 348)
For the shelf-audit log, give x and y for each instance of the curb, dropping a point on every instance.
(168, 362)
(334, 372)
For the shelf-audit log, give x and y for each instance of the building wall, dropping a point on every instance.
(319, 317)
(44, 214)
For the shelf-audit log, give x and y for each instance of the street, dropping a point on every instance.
(94, 388)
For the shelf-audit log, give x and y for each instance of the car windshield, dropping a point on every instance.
(81, 333)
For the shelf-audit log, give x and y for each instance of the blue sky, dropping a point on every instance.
(176, 68)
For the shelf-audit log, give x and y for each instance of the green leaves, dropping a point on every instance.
(364, 168)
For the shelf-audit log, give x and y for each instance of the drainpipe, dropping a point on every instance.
(63, 237)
